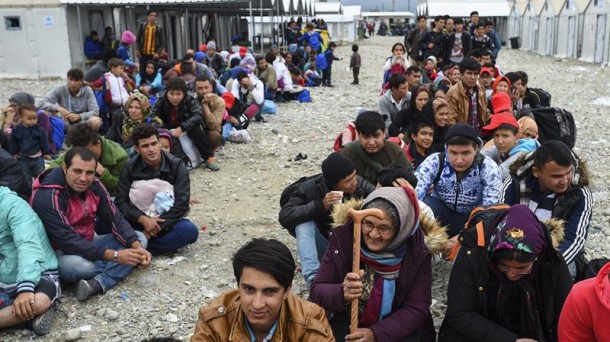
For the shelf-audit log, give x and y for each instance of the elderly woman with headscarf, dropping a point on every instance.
(508, 282)
(394, 283)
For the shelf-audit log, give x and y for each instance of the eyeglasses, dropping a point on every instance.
(367, 227)
(509, 270)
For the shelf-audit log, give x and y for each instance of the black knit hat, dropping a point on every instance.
(463, 130)
(335, 167)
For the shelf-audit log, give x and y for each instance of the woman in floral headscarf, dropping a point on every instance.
(138, 111)
(508, 282)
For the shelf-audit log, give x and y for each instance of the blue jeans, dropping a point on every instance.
(452, 219)
(32, 167)
(311, 245)
(73, 268)
(181, 234)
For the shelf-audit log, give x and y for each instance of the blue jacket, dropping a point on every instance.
(93, 48)
(306, 37)
(479, 186)
(28, 141)
(495, 39)
(156, 85)
(123, 53)
(25, 251)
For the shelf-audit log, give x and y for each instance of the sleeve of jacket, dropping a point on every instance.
(575, 323)
(426, 173)
(508, 192)
(423, 40)
(111, 177)
(13, 147)
(413, 312)
(51, 206)
(92, 108)
(452, 105)
(160, 38)
(327, 288)
(122, 197)
(42, 139)
(272, 79)
(492, 182)
(384, 110)
(563, 287)
(299, 210)
(140, 38)
(157, 108)
(398, 123)
(108, 213)
(195, 116)
(50, 102)
(462, 293)
(408, 41)
(258, 93)
(157, 84)
(577, 226)
(182, 195)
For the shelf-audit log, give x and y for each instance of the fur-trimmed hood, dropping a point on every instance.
(524, 163)
(435, 235)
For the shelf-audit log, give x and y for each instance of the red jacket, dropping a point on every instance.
(585, 314)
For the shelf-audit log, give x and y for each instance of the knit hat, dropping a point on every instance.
(518, 229)
(497, 120)
(335, 167)
(501, 102)
(21, 98)
(243, 50)
(432, 58)
(203, 47)
(498, 80)
(128, 38)
(463, 130)
(212, 45)
(199, 56)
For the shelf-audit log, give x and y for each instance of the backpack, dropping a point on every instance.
(321, 62)
(592, 268)
(58, 127)
(314, 42)
(303, 96)
(310, 191)
(337, 146)
(553, 124)
(101, 96)
(543, 95)
(479, 159)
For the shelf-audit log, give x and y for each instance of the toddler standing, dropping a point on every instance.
(29, 142)
(355, 62)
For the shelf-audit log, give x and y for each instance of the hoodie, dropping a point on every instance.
(84, 103)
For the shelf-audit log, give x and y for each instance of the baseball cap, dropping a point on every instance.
(497, 120)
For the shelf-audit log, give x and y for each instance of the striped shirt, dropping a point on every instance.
(149, 39)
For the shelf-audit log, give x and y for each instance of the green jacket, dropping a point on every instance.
(25, 251)
(113, 159)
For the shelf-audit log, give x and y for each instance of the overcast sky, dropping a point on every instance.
(385, 5)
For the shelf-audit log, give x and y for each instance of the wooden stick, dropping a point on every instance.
(358, 216)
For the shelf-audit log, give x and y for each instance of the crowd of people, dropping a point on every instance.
(448, 168)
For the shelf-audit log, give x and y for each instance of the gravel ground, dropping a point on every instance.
(241, 200)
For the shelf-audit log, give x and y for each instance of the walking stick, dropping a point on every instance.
(358, 216)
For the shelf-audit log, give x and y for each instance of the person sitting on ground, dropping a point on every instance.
(525, 98)
(371, 152)
(29, 143)
(395, 277)
(71, 202)
(213, 59)
(583, 317)
(508, 282)
(312, 76)
(250, 91)
(436, 112)
(306, 215)
(94, 49)
(100, 67)
(181, 113)
(30, 279)
(297, 78)
(262, 307)
(394, 100)
(246, 60)
(168, 230)
(138, 112)
(127, 40)
(452, 74)
(12, 176)
(421, 133)
(285, 85)
(214, 108)
(110, 156)
(554, 183)
(466, 99)
(396, 176)
(403, 120)
(198, 68)
(458, 180)
(149, 80)
(74, 101)
(507, 143)
(267, 75)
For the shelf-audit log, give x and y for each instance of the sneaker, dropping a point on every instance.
(88, 288)
(212, 164)
(41, 325)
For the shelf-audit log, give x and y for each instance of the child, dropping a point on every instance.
(395, 64)
(127, 40)
(422, 136)
(431, 70)
(312, 76)
(118, 84)
(354, 63)
(330, 57)
(297, 79)
(29, 142)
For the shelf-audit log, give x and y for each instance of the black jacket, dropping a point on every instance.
(468, 308)
(173, 171)
(412, 43)
(217, 64)
(12, 176)
(190, 113)
(439, 40)
(306, 204)
(466, 45)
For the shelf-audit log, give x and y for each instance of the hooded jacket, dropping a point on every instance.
(468, 317)
(575, 206)
(83, 103)
(189, 111)
(459, 103)
(69, 218)
(584, 317)
(25, 251)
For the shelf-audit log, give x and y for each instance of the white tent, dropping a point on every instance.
(595, 34)
(568, 30)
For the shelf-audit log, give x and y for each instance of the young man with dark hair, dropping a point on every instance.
(494, 37)
(474, 21)
(181, 113)
(526, 98)
(459, 43)
(70, 202)
(480, 40)
(150, 41)
(267, 75)
(466, 99)
(74, 101)
(433, 42)
(213, 107)
(262, 307)
(330, 57)
(413, 77)
(110, 155)
(555, 185)
(394, 100)
(370, 152)
(458, 180)
(306, 215)
(412, 41)
(93, 47)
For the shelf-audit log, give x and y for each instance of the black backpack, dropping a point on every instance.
(543, 95)
(553, 124)
(292, 188)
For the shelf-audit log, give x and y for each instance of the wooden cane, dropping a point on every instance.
(357, 217)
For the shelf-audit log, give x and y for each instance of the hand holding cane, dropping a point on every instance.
(357, 217)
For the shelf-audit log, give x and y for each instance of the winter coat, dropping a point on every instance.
(25, 251)
(389, 154)
(299, 320)
(70, 218)
(216, 63)
(459, 103)
(268, 77)
(93, 48)
(213, 119)
(584, 317)
(468, 317)
(189, 112)
(436, 38)
(466, 45)
(306, 204)
(575, 206)
(159, 38)
(84, 103)
(412, 43)
(173, 171)
(113, 159)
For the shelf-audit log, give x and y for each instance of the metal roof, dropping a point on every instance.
(486, 8)
(28, 3)
(327, 7)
